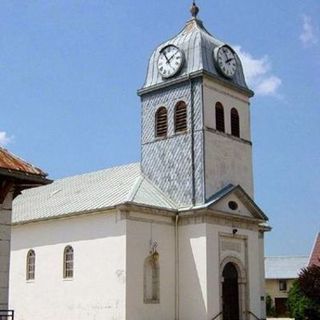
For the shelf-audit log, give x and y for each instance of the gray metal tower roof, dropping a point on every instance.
(198, 46)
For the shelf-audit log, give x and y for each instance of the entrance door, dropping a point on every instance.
(230, 293)
(281, 306)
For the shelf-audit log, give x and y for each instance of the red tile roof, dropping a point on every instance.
(315, 254)
(10, 162)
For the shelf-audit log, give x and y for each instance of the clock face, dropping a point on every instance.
(170, 61)
(225, 60)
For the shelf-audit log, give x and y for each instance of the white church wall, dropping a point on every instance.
(140, 235)
(213, 271)
(256, 287)
(5, 222)
(192, 272)
(227, 162)
(227, 159)
(213, 93)
(247, 253)
(201, 261)
(97, 289)
(262, 276)
(223, 206)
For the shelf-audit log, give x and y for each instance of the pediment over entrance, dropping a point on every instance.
(234, 200)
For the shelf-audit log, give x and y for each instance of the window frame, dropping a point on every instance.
(159, 119)
(235, 122)
(220, 119)
(283, 285)
(68, 262)
(180, 117)
(31, 265)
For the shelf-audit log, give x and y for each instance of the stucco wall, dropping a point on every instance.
(201, 261)
(272, 288)
(213, 93)
(262, 276)
(227, 159)
(97, 290)
(5, 222)
(193, 272)
(139, 237)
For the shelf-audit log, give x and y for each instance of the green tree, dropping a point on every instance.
(304, 296)
(297, 302)
(309, 282)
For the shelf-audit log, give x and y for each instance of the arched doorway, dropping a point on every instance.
(230, 293)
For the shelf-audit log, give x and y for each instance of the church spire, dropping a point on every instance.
(194, 10)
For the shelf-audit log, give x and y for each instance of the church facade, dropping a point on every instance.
(177, 236)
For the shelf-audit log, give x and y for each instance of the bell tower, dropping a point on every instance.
(195, 136)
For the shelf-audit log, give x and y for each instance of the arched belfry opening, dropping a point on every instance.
(230, 293)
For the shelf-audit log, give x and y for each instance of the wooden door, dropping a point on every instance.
(230, 293)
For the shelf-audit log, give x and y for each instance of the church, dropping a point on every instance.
(176, 236)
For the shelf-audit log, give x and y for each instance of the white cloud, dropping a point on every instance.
(268, 86)
(258, 73)
(4, 138)
(309, 34)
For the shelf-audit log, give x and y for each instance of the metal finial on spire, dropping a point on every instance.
(194, 10)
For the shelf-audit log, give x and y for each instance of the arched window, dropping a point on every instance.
(152, 279)
(31, 264)
(68, 262)
(235, 123)
(161, 122)
(219, 117)
(180, 117)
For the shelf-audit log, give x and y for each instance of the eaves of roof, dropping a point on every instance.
(14, 167)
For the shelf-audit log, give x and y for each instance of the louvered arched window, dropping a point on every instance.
(68, 262)
(235, 123)
(180, 117)
(31, 265)
(161, 121)
(220, 117)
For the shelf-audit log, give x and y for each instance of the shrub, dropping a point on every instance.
(271, 311)
(300, 306)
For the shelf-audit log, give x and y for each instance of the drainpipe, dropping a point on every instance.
(176, 267)
(192, 142)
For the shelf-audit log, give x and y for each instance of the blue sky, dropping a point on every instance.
(69, 71)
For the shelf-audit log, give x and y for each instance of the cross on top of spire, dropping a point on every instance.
(194, 10)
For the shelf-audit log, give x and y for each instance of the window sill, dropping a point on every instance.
(175, 134)
(67, 279)
(30, 281)
(160, 138)
(179, 133)
(150, 301)
(229, 135)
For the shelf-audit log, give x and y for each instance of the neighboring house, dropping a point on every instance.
(177, 236)
(315, 253)
(15, 176)
(280, 275)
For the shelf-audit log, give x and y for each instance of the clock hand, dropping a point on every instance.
(166, 57)
(229, 60)
(225, 53)
(172, 56)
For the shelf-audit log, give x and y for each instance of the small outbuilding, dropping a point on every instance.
(280, 275)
